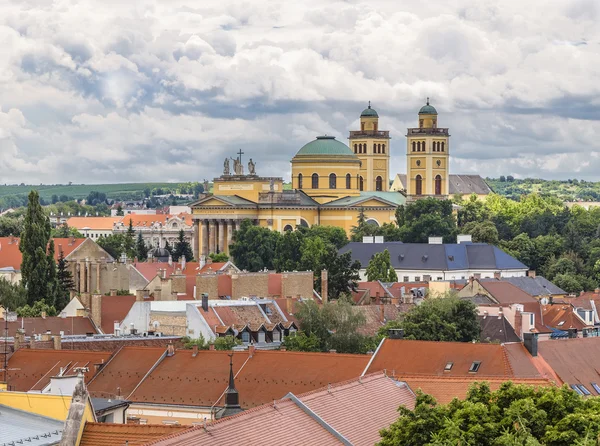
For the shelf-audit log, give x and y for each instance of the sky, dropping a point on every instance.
(153, 91)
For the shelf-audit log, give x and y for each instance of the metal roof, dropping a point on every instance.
(394, 198)
(442, 257)
(536, 286)
(326, 145)
(19, 427)
(369, 112)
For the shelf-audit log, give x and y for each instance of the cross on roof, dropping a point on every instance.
(240, 153)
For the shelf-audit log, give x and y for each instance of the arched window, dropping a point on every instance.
(419, 185)
(418, 146)
(303, 223)
(438, 146)
(373, 222)
(383, 148)
(315, 181)
(442, 146)
(414, 146)
(422, 146)
(288, 228)
(360, 148)
(332, 181)
(348, 181)
(374, 148)
(355, 148)
(299, 181)
(361, 183)
(378, 148)
(379, 184)
(438, 185)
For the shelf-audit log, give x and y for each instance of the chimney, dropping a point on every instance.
(530, 341)
(572, 333)
(202, 262)
(205, 302)
(581, 293)
(46, 336)
(139, 295)
(289, 305)
(519, 323)
(531, 273)
(97, 309)
(497, 275)
(283, 349)
(324, 285)
(43, 315)
(211, 347)
(170, 349)
(113, 292)
(195, 350)
(251, 349)
(382, 313)
(396, 333)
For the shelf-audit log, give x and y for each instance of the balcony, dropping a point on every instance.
(430, 131)
(369, 134)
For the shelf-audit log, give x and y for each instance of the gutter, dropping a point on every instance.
(372, 357)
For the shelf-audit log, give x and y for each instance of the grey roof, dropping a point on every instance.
(19, 427)
(104, 404)
(462, 184)
(480, 299)
(535, 286)
(494, 328)
(434, 257)
(393, 198)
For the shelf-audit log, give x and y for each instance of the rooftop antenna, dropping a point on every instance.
(427, 100)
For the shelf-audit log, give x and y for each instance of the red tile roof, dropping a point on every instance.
(399, 356)
(575, 361)
(10, 256)
(506, 292)
(539, 322)
(376, 316)
(562, 317)
(77, 325)
(445, 388)
(124, 371)
(109, 434)
(94, 223)
(32, 369)
(114, 308)
(274, 285)
(283, 422)
(150, 269)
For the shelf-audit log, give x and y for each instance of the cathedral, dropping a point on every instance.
(332, 182)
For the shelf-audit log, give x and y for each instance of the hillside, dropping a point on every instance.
(565, 190)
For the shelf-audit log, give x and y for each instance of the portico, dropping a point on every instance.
(216, 233)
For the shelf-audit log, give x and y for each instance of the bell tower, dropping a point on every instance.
(372, 147)
(427, 156)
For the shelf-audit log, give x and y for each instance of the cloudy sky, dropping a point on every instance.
(126, 91)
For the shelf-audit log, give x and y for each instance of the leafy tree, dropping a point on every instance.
(511, 415)
(472, 210)
(64, 231)
(189, 343)
(141, 248)
(484, 232)
(226, 343)
(442, 319)
(36, 310)
(65, 282)
(182, 248)
(147, 192)
(362, 228)
(288, 252)
(428, 218)
(568, 283)
(10, 226)
(95, 197)
(380, 268)
(113, 244)
(53, 284)
(33, 245)
(120, 210)
(253, 247)
(342, 272)
(218, 258)
(129, 245)
(300, 342)
(12, 296)
(330, 234)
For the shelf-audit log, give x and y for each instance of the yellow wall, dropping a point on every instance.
(51, 406)
(372, 164)
(324, 166)
(151, 414)
(247, 188)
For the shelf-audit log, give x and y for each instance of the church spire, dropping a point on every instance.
(232, 398)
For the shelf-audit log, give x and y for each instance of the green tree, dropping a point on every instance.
(129, 241)
(442, 319)
(36, 310)
(482, 232)
(141, 248)
(218, 258)
(34, 245)
(182, 248)
(330, 234)
(380, 268)
(288, 252)
(511, 415)
(568, 283)
(64, 231)
(113, 244)
(428, 218)
(120, 210)
(10, 226)
(12, 296)
(362, 228)
(53, 284)
(65, 282)
(226, 342)
(300, 342)
(189, 343)
(253, 247)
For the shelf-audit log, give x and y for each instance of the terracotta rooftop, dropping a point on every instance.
(506, 292)
(562, 317)
(150, 269)
(93, 223)
(115, 308)
(147, 219)
(575, 361)
(10, 256)
(539, 320)
(376, 316)
(399, 356)
(185, 379)
(109, 434)
(445, 388)
(77, 325)
(32, 369)
(124, 371)
(293, 419)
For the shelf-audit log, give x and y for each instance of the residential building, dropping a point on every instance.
(437, 261)
(93, 227)
(104, 434)
(159, 229)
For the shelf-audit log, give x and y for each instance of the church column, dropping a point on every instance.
(221, 225)
(205, 238)
(196, 239)
(229, 234)
(212, 235)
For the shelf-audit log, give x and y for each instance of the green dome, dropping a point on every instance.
(325, 145)
(428, 109)
(369, 112)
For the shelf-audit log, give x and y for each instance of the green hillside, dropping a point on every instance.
(78, 191)
(565, 190)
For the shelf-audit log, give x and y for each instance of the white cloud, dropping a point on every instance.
(165, 90)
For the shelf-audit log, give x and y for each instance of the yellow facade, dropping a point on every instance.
(427, 156)
(248, 187)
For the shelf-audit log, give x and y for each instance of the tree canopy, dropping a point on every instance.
(513, 415)
(182, 248)
(380, 268)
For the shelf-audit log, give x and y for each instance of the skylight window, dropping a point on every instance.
(475, 366)
(596, 387)
(584, 390)
(448, 366)
(576, 389)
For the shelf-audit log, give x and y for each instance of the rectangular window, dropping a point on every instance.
(417, 278)
(475, 367)
(584, 389)
(576, 389)
(245, 336)
(596, 387)
(532, 320)
(448, 366)
(405, 279)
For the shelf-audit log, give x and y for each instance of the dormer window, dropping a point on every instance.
(475, 367)
(448, 366)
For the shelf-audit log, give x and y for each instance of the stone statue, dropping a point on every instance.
(205, 186)
(272, 185)
(251, 167)
(226, 167)
(237, 166)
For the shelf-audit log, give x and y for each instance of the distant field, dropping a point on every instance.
(82, 190)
